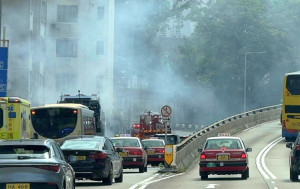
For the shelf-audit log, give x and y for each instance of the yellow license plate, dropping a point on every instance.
(150, 152)
(18, 186)
(223, 157)
(123, 154)
(81, 158)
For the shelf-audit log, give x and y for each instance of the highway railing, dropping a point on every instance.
(186, 151)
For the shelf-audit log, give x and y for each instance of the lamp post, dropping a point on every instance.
(245, 74)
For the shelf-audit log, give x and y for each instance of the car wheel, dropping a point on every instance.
(145, 169)
(141, 169)
(120, 178)
(109, 179)
(204, 176)
(245, 174)
(293, 176)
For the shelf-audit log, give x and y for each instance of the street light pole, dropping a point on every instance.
(245, 75)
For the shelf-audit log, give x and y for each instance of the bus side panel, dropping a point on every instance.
(88, 122)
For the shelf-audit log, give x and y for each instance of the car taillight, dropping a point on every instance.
(54, 168)
(160, 151)
(136, 152)
(98, 155)
(202, 156)
(243, 156)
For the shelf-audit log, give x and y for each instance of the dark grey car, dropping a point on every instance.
(34, 164)
(294, 159)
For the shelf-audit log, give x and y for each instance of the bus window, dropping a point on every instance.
(1, 118)
(293, 84)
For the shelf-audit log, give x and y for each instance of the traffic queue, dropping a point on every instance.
(44, 163)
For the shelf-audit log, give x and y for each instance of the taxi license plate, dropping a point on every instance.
(18, 186)
(150, 152)
(81, 158)
(223, 157)
(123, 154)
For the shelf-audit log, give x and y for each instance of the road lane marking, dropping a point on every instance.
(263, 158)
(211, 185)
(143, 181)
(147, 183)
(260, 160)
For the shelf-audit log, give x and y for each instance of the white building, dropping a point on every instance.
(80, 49)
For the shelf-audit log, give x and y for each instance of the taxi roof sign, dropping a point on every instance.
(223, 134)
(124, 135)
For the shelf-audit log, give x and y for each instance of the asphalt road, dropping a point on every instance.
(268, 168)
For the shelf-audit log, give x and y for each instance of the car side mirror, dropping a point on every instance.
(248, 149)
(289, 145)
(145, 148)
(72, 159)
(200, 150)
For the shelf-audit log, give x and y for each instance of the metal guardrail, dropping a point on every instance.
(183, 155)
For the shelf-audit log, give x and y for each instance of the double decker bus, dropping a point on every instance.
(57, 121)
(290, 115)
(15, 118)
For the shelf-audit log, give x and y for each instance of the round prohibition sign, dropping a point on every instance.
(166, 111)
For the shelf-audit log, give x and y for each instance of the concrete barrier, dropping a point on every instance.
(186, 151)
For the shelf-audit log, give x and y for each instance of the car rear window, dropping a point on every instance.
(227, 143)
(24, 152)
(81, 145)
(153, 143)
(125, 142)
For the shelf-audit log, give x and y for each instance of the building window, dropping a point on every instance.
(100, 13)
(67, 13)
(100, 48)
(66, 48)
(65, 83)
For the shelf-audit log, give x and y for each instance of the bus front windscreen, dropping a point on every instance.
(293, 84)
(54, 123)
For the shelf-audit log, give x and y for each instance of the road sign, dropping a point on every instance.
(168, 154)
(166, 111)
(3, 70)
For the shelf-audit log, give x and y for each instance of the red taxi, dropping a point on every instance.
(224, 155)
(133, 154)
(155, 151)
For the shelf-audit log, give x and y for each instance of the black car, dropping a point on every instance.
(96, 156)
(294, 158)
(34, 164)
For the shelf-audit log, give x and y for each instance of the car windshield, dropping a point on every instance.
(223, 143)
(153, 143)
(24, 152)
(81, 145)
(125, 142)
